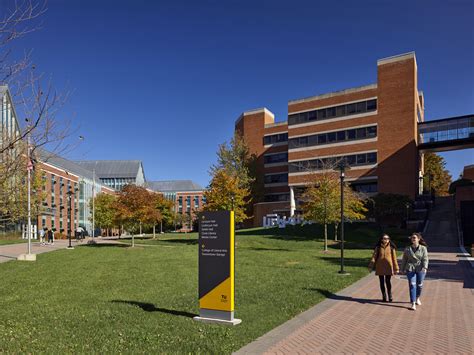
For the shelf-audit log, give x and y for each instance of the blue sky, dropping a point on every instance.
(164, 82)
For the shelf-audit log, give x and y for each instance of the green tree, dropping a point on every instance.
(320, 201)
(436, 176)
(105, 211)
(385, 206)
(222, 189)
(166, 209)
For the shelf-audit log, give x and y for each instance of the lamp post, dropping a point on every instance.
(342, 166)
(407, 205)
(29, 167)
(69, 199)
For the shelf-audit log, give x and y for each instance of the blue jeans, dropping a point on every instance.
(415, 284)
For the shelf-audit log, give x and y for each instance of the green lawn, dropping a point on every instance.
(142, 299)
(13, 241)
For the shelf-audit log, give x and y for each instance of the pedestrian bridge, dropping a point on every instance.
(452, 133)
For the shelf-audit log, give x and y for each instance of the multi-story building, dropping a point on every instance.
(68, 191)
(188, 198)
(116, 173)
(373, 128)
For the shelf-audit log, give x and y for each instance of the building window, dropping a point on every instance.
(333, 137)
(275, 138)
(277, 197)
(180, 201)
(333, 112)
(276, 178)
(328, 163)
(275, 158)
(196, 202)
(370, 187)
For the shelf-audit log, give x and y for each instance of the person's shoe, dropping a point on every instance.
(418, 301)
(413, 306)
(390, 298)
(384, 297)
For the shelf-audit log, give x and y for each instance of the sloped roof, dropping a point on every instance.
(174, 186)
(112, 168)
(62, 163)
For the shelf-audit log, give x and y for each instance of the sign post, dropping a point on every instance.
(216, 268)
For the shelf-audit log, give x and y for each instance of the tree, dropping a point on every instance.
(384, 206)
(320, 201)
(436, 177)
(165, 207)
(222, 189)
(135, 207)
(236, 161)
(105, 211)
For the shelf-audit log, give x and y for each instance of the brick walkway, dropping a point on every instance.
(354, 321)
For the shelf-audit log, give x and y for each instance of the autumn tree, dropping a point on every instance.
(232, 175)
(105, 212)
(224, 190)
(436, 176)
(166, 209)
(135, 208)
(320, 201)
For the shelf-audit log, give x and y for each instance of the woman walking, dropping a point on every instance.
(384, 260)
(415, 265)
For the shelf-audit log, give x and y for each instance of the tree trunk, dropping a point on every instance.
(133, 240)
(325, 237)
(154, 236)
(161, 226)
(335, 230)
(140, 228)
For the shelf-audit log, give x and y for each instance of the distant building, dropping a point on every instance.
(116, 173)
(60, 177)
(187, 196)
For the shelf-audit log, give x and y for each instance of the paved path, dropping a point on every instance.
(11, 251)
(355, 321)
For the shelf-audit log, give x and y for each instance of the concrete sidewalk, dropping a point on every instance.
(11, 251)
(355, 321)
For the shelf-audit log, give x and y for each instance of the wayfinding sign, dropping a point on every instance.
(216, 267)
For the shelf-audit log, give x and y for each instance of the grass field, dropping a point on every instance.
(142, 300)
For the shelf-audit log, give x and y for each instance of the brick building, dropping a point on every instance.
(188, 198)
(373, 127)
(68, 189)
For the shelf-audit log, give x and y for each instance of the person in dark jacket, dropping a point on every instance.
(415, 265)
(384, 260)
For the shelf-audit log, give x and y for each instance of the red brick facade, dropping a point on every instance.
(399, 105)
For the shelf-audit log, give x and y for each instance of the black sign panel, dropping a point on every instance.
(214, 250)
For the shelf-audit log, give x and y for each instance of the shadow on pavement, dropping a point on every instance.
(336, 297)
(150, 307)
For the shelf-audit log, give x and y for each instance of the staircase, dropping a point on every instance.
(442, 228)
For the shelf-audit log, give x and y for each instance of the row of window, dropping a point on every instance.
(333, 137)
(276, 178)
(328, 163)
(275, 138)
(275, 158)
(369, 187)
(277, 198)
(333, 112)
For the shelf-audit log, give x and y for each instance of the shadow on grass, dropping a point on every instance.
(347, 261)
(149, 307)
(336, 297)
(264, 249)
(104, 245)
(179, 241)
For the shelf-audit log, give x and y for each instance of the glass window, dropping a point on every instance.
(372, 105)
(361, 107)
(341, 136)
(331, 137)
(331, 112)
(312, 116)
(322, 114)
(360, 133)
(340, 110)
(372, 131)
(351, 109)
(361, 159)
(372, 158)
(322, 138)
(351, 134)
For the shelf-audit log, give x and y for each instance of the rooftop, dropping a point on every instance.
(112, 168)
(174, 186)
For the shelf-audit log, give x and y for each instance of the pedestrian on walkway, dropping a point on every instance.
(415, 265)
(50, 236)
(42, 234)
(384, 260)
